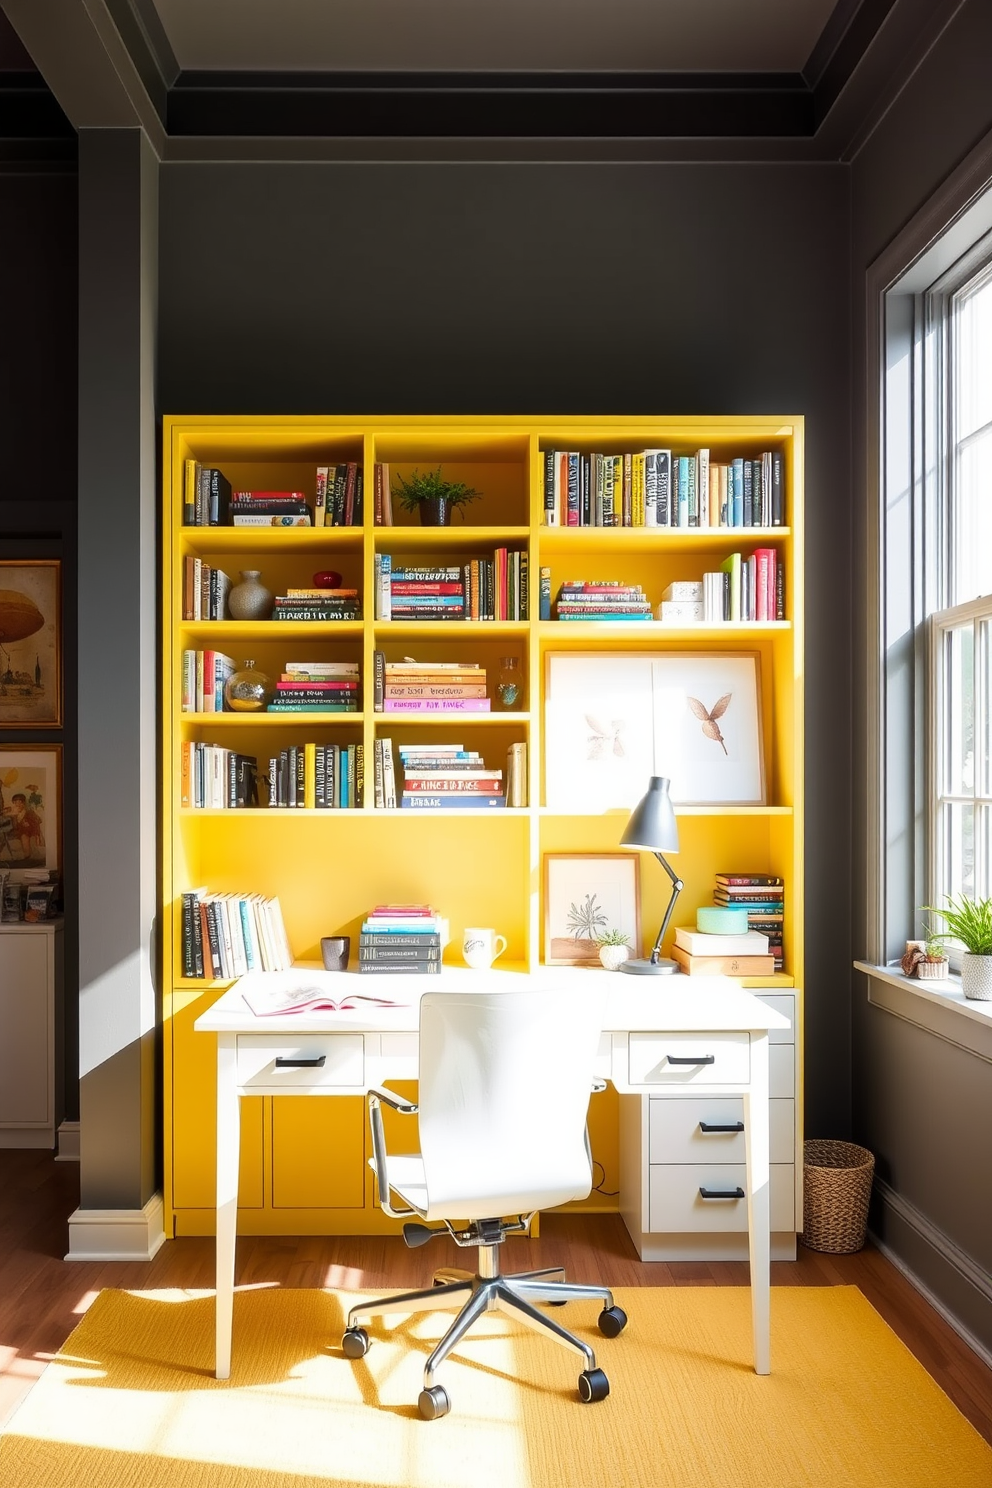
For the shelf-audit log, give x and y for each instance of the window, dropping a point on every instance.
(958, 515)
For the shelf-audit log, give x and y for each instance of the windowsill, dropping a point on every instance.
(939, 1007)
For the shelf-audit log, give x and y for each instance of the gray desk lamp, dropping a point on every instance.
(652, 826)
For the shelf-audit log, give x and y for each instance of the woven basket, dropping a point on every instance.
(836, 1189)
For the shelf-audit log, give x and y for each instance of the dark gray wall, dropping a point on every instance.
(918, 1100)
(554, 289)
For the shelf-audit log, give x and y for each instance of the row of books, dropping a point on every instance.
(212, 777)
(751, 588)
(317, 604)
(429, 687)
(203, 676)
(339, 499)
(660, 488)
(601, 599)
(402, 938)
(756, 951)
(317, 687)
(205, 591)
(494, 588)
(321, 777)
(227, 935)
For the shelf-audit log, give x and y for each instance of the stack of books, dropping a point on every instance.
(704, 954)
(497, 588)
(447, 775)
(317, 687)
(206, 496)
(763, 896)
(402, 937)
(317, 604)
(205, 591)
(204, 674)
(338, 501)
(213, 777)
(418, 592)
(228, 935)
(270, 509)
(751, 588)
(319, 777)
(602, 599)
(429, 686)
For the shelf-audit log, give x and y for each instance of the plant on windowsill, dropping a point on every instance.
(433, 497)
(928, 961)
(614, 949)
(969, 922)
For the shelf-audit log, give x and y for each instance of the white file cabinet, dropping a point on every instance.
(31, 1074)
(682, 1173)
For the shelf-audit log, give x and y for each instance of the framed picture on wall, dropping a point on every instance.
(31, 806)
(586, 895)
(30, 643)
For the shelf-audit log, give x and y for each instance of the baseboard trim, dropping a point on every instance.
(68, 1142)
(950, 1255)
(117, 1234)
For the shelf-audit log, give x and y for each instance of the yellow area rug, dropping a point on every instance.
(131, 1402)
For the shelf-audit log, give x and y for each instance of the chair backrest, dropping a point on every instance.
(505, 1079)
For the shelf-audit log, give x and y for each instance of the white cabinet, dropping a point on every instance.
(31, 1074)
(682, 1173)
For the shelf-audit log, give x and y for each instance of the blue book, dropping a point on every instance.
(461, 802)
(247, 934)
(736, 498)
(682, 493)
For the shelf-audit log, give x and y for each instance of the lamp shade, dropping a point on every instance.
(652, 823)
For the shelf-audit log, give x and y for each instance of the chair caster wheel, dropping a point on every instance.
(593, 1385)
(612, 1321)
(434, 1403)
(355, 1343)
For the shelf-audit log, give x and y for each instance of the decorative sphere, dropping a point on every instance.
(248, 690)
(329, 578)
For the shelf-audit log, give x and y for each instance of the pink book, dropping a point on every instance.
(436, 705)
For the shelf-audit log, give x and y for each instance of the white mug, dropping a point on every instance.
(481, 947)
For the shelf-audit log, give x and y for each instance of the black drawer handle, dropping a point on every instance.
(721, 1193)
(692, 1058)
(713, 1126)
(317, 1062)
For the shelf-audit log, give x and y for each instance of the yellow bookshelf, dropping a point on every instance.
(302, 1167)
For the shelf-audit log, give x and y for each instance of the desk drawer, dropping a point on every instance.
(689, 1058)
(675, 1205)
(337, 1059)
(675, 1132)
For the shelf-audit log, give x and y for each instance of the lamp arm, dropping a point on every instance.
(677, 887)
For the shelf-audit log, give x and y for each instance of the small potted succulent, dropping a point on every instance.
(432, 497)
(614, 949)
(926, 960)
(969, 923)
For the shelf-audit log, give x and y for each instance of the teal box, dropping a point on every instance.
(714, 919)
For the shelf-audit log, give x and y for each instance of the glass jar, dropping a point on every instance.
(509, 684)
(248, 690)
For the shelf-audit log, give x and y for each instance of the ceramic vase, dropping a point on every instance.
(613, 956)
(976, 977)
(250, 600)
(435, 512)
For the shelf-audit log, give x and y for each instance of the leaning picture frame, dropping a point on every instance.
(614, 720)
(31, 807)
(587, 895)
(30, 643)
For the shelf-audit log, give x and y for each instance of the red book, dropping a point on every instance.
(441, 784)
(307, 685)
(425, 586)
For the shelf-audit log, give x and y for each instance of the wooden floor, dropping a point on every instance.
(42, 1296)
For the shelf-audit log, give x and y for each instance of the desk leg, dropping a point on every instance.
(758, 1204)
(228, 1156)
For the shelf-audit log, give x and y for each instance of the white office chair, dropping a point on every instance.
(505, 1080)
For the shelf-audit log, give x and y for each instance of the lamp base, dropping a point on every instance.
(661, 967)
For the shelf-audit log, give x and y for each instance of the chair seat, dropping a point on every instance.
(408, 1181)
(406, 1178)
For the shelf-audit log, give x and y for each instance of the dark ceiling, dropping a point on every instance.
(631, 79)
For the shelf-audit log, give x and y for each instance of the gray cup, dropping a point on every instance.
(334, 951)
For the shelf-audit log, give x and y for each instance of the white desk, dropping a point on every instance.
(660, 1033)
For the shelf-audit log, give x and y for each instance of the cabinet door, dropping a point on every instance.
(25, 1058)
(194, 1126)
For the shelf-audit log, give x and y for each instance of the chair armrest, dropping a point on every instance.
(395, 1102)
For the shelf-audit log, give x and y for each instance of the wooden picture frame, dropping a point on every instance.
(31, 807)
(614, 720)
(592, 893)
(30, 643)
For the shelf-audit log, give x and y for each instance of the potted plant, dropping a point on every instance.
(614, 949)
(432, 496)
(927, 960)
(969, 922)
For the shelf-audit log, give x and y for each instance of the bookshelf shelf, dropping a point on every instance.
(477, 865)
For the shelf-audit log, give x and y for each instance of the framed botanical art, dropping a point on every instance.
(30, 643)
(611, 722)
(585, 895)
(31, 806)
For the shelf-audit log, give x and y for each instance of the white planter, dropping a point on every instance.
(932, 971)
(976, 977)
(613, 956)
